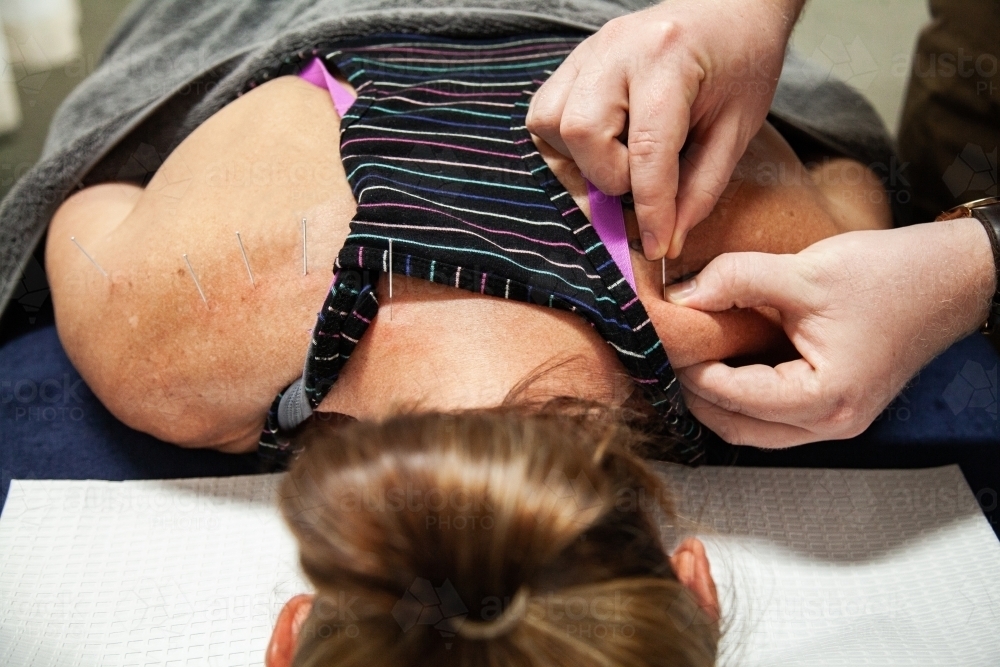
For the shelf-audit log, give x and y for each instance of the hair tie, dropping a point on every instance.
(501, 625)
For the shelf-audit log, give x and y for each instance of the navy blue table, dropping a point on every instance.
(52, 427)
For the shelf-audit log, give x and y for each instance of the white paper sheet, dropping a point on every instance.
(825, 568)
(815, 567)
(184, 572)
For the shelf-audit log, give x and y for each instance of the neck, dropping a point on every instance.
(444, 348)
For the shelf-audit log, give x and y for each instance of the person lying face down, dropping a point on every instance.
(502, 536)
(178, 341)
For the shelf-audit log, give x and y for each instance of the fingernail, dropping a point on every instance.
(680, 292)
(650, 246)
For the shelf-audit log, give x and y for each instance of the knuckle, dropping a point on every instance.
(843, 417)
(730, 271)
(737, 264)
(609, 181)
(644, 145)
(615, 29)
(541, 119)
(817, 272)
(575, 128)
(664, 34)
(715, 397)
(827, 270)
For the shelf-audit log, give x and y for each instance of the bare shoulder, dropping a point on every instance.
(89, 214)
(168, 328)
(75, 236)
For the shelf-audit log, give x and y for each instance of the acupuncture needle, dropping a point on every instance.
(245, 260)
(305, 265)
(390, 280)
(663, 275)
(196, 283)
(87, 255)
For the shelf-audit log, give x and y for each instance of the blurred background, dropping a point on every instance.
(43, 73)
(868, 43)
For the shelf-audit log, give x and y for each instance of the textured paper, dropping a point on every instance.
(814, 567)
(145, 573)
(825, 568)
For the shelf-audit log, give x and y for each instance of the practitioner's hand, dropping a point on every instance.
(704, 68)
(865, 310)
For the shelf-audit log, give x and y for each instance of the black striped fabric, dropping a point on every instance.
(438, 157)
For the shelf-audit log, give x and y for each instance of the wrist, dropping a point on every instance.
(987, 213)
(946, 271)
(980, 277)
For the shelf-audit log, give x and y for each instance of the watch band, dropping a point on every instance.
(986, 211)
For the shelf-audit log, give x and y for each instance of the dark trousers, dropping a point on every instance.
(950, 127)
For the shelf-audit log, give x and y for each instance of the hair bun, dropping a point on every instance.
(498, 627)
(485, 507)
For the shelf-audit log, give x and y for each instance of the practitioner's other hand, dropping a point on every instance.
(865, 310)
(694, 73)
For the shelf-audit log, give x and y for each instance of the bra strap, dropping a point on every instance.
(608, 219)
(316, 74)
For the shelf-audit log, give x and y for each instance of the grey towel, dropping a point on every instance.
(172, 63)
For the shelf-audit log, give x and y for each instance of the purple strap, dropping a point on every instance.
(605, 210)
(316, 74)
(609, 221)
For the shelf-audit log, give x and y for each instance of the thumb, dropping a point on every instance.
(742, 280)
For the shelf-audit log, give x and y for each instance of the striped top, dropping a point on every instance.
(437, 154)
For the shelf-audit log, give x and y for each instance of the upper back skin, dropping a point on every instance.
(203, 373)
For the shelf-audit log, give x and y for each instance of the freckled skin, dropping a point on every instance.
(204, 375)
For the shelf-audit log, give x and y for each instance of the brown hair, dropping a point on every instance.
(500, 536)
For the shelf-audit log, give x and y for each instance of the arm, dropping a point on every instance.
(78, 287)
(95, 313)
(163, 361)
